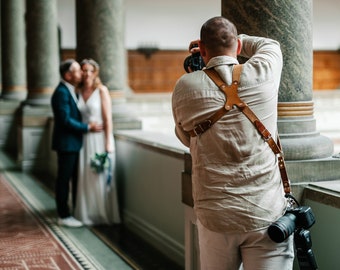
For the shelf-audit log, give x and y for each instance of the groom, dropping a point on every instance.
(67, 138)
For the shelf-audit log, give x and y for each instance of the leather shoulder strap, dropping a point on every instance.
(230, 91)
(203, 126)
(234, 100)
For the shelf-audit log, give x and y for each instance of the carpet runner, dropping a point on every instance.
(25, 241)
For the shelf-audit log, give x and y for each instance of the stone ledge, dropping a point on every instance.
(313, 170)
(326, 192)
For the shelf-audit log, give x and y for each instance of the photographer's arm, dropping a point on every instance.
(259, 49)
(182, 135)
(264, 58)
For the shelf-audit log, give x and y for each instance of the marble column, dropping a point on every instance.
(0, 54)
(289, 22)
(13, 70)
(42, 50)
(13, 57)
(42, 67)
(100, 35)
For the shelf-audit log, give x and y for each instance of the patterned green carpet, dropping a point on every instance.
(98, 247)
(86, 248)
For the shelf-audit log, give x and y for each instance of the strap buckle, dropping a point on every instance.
(202, 127)
(268, 138)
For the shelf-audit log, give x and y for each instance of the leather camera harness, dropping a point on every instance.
(232, 99)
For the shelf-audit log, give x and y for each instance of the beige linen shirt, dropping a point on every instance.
(236, 180)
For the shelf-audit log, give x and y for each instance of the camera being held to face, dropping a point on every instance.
(193, 62)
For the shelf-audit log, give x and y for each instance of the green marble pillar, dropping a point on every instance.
(13, 55)
(100, 35)
(0, 55)
(42, 50)
(289, 22)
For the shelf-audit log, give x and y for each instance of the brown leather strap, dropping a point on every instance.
(283, 171)
(206, 124)
(234, 100)
(230, 91)
(203, 126)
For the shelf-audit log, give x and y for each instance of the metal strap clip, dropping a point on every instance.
(202, 127)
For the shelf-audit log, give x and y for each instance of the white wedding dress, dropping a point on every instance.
(97, 201)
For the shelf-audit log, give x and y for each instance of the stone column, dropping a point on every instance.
(42, 65)
(100, 35)
(42, 50)
(13, 50)
(13, 73)
(289, 22)
(0, 54)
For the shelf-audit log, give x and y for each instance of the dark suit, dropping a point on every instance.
(67, 139)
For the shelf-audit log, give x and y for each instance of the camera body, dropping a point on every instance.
(295, 218)
(194, 61)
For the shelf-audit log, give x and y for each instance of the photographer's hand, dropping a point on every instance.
(194, 47)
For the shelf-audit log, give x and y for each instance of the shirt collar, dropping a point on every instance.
(68, 85)
(222, 60)
(71, 88)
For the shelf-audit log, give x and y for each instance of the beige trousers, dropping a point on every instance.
(248, 251)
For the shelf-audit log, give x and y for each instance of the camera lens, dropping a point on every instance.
(282, 228)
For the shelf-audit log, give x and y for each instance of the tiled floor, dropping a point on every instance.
(30, 239)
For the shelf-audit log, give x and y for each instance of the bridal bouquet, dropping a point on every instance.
(101, 162)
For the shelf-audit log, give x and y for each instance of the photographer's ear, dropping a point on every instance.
(202, 49)
(239, 46)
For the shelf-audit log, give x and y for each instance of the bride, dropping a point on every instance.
(97, 201)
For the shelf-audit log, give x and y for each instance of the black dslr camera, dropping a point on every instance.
(293, 219)
(297, 221)
(194, 61)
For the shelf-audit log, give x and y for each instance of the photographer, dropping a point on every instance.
(237, 188)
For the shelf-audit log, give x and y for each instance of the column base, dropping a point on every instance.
(306, 146)
(9, 110)
(15, 94)
(297, 129)
(122, 118)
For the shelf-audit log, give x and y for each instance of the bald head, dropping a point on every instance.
(219, 36)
